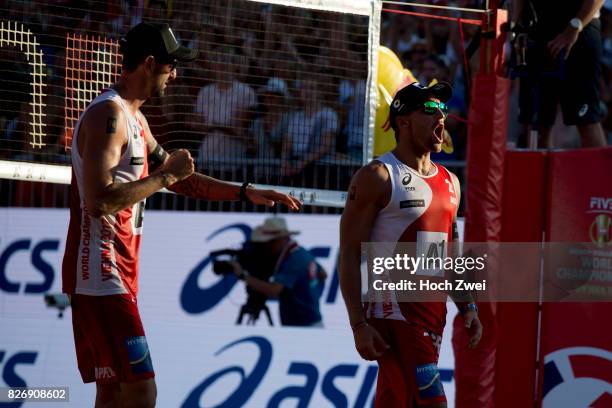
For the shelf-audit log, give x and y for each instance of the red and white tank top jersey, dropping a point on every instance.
(101, 255)
(421, 210)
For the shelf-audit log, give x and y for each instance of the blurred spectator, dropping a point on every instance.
(405, 33)
(15, 89)
(434, 67)
(268, 130)
(156, 11)
(413, 58)
(352, 98)
(224, 110)
(311, 133)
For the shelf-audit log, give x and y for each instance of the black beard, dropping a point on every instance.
(159, 92)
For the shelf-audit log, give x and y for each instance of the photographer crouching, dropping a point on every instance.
(297, 280)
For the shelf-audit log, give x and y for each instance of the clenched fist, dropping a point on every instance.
(178, 166)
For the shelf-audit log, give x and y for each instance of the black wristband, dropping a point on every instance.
(467, 307)
(243, 187)
(157, 157)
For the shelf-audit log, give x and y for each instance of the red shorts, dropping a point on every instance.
(408, 373)
(109, 339)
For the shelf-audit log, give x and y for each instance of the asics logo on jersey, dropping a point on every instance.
(406, 180)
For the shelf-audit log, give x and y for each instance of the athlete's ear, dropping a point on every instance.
(402, 121)
(149, 64)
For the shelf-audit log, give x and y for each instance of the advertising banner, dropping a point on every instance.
(201, 357)
(576, 342)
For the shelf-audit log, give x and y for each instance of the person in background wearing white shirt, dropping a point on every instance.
(311, 134)
(225, 109)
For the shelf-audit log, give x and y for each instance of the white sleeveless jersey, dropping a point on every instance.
(421, 210)
(101, 255)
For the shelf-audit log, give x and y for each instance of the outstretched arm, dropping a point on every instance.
(200, 186)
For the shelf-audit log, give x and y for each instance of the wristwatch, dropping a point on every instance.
(243, 188)
(576, 23)
(243, 275)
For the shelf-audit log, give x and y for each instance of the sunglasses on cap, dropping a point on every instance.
(431, 107)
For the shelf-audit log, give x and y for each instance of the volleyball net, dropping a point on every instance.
(281, 93)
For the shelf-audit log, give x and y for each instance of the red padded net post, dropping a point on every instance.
(487, 129)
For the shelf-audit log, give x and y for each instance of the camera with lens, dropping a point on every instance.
(252, 257)
(529, 55)
(257, 260)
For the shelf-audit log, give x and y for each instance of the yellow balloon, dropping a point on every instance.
(447, 144)
(391, 77)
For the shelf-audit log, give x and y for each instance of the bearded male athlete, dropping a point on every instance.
(116, 165)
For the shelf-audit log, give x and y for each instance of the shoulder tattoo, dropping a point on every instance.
(111, 125)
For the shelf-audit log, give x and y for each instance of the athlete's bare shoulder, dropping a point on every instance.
(371, 183)
(101, 124)
(103, 116)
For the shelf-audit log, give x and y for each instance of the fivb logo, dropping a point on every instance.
(600, 204)
(578, 377)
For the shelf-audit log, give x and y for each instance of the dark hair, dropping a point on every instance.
(131, 58)
(395, 128)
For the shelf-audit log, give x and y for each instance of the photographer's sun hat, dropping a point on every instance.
(272, 228)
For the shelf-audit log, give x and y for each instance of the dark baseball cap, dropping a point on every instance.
(412, 96)
(158, 40)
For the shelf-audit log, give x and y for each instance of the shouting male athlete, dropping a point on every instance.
(403, 197)
(116, 165)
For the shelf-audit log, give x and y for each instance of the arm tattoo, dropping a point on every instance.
(353, 193)
(111, 125)
(193, 186)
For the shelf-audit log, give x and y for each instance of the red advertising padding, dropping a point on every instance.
(576, 338)
(485, 157)
(524, 211)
